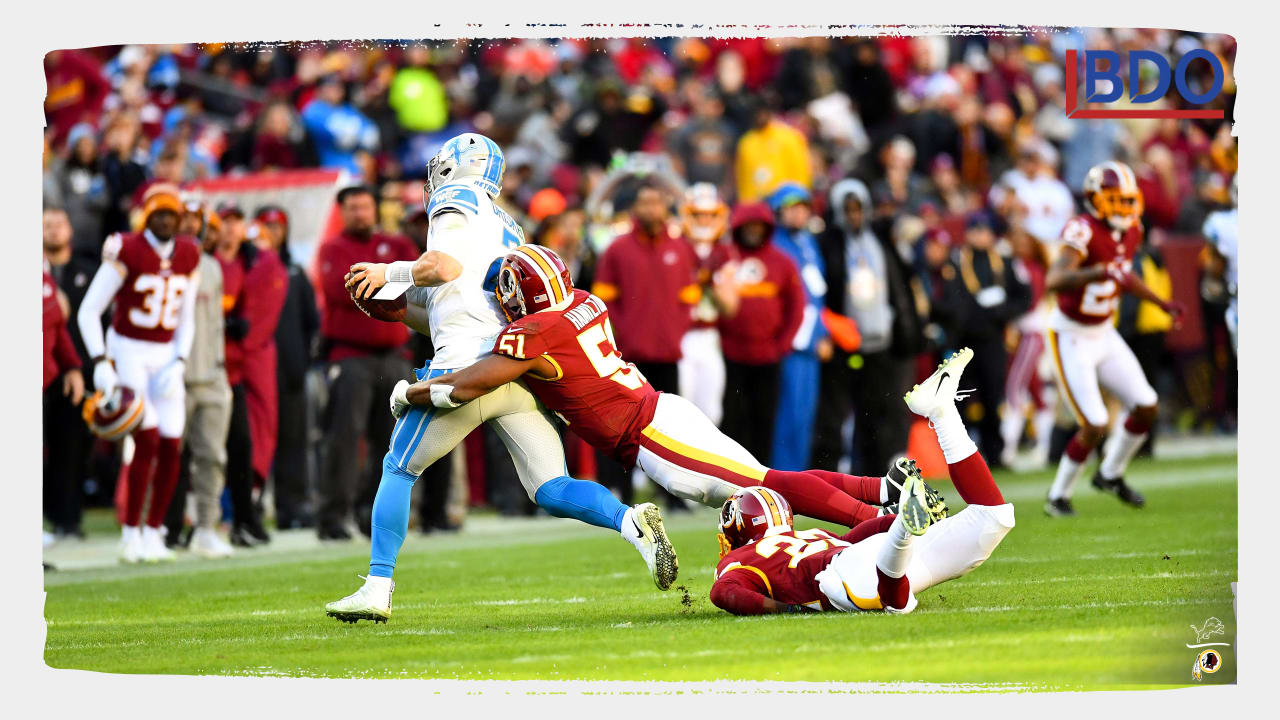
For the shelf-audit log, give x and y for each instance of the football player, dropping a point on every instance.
(450, 295)
(705, 219)
(767, 566)
(150, 275)
(560, 341)
(1092, 269)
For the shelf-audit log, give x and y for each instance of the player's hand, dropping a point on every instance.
(1175, 310)
(1121, 274)
(824, 349)
(169, 381)
(366, 278)
(400, 398)
(104, 377)
(73, 385)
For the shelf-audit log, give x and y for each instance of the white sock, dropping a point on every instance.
(127, 531)
(1011, 425)
(1121, 448)
(1043, 421)
(884, 489)
(895, 554)
(1065, 481)
(952, 434)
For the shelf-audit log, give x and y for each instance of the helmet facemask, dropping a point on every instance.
(510, 298)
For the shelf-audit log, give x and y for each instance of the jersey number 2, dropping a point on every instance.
(608, 363)
(1099, 298)
(804, 544)
(161, 301)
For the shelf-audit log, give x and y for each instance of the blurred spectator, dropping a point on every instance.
(294, 338)
(344, 137)
(66, 438)
(993, 296)
(279, 141)
(1093, 141)
(705, 222)
(417, 95)
(1222, 230)
(770, 153)
(1024, 387)
(1033, 192)
(365, 357)
(801, 367)
(866, 282)
(124, 169)
(704, 145)
(757, 331)
(900, 189)
(75, 183)
(76, 91)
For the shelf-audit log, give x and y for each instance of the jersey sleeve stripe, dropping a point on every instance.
(701, 461)
(768, 587)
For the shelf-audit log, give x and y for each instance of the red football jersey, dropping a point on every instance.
(604, 399)
(1096, 302)
(782, 566)
(149, 304)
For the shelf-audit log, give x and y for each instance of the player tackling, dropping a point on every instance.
(1091, 271)
(767, 566)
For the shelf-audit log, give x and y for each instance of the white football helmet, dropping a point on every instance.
(469, 156)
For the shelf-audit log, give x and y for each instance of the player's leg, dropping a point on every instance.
(1075, 361)
(682, 451)
(132, 373)
(171, 417)
(958, 544)
(1017, 392)
(207, 439)
(1122, 376)
(701, 371)
(527, 430)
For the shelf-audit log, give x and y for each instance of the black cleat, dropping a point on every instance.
(1120, 489)
(1060, 507)
(897, 475)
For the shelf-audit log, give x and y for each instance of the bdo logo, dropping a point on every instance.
(1104, 65)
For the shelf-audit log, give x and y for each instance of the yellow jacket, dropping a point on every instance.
(770, 156)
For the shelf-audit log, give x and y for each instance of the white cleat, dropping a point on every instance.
(206, 543)
(939, 389)
(130, 544)
(642, 526)
(153, 549)
(914, 508)
(371, 602)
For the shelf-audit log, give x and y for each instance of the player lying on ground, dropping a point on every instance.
(560, 342)
(449, 294)
(880, 564)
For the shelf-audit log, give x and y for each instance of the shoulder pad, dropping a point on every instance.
(459, 197)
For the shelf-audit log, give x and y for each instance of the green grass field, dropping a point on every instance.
(1103, 601)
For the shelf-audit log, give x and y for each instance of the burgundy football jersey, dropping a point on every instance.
(604, 399)
(149, 303)
(783, 565)
(1096, 302)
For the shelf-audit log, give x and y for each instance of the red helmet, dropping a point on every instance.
(532, 278)
(750, 513)
(1111, 194)
(113, 416)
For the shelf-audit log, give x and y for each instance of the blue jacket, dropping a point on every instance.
(802, 247)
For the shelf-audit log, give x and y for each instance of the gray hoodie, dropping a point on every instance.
(866, 294)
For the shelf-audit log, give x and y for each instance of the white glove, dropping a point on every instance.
(104, 377)
(400, 398)
(169, 381)
(442, 396)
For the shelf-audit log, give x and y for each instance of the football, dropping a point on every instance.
(385, 310)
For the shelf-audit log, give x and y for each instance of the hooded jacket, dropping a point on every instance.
(866, 279)
(772, 298)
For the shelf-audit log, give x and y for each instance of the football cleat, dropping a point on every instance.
(1120, 489)
(913, 509)
(371, 602)
(130, 545)
(897, 475)
(642, 525)
(927, 398)
(1060, 507)
(153, 547)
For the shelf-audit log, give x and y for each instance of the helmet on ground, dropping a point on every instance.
(532, 278)
(750, 514)
(469, 156)
(1111, 194)
(113, 415)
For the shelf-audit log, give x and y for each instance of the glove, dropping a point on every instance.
(104, 377)
(169, 381)
(400, 398)
(442, 396)
(1175, 310)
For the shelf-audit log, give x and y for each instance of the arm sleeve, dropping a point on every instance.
(64, 350)
(448, 234)
(734, 592)
(186, 332)
(106, 283)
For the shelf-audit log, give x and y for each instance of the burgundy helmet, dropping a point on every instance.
(532, 278)
(750, 513)
(1111, 194)
(112, 416)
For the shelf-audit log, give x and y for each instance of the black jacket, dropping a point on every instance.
(975, 271)
(299, 324)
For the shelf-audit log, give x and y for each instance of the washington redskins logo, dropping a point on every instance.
(750, 272)
(1207, 663)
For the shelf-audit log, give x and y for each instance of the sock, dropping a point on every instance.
(1069, 468)
(165, 479)
(1121, 448)
(390, 517)
(895, 554)
(1043, 422)
(145, 446)
(894, 592)
(582, 500)
(952, 435)
(810, 496)
(973, 481)
(866, 489)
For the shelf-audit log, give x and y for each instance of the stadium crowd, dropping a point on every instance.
(856, 206)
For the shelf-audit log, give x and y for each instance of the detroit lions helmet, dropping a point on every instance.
(469, 156)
